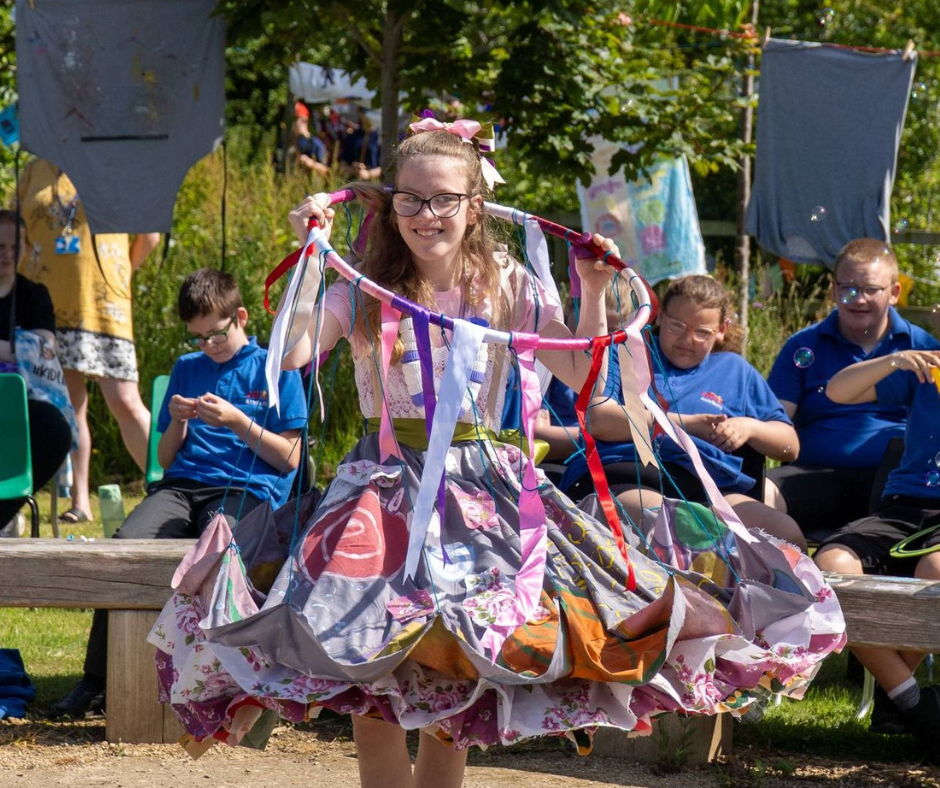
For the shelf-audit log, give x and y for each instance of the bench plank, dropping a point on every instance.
(895, 612)
(122, 574)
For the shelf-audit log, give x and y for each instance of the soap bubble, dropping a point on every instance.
(848, 295)
(936, 459)
(804, 357)
(818, 214)
(825, 16)
(918, 90)
(901, 225)
(932, 478)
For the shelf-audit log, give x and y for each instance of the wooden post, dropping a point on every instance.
(742, 246)
(135, 716)
(693, 740)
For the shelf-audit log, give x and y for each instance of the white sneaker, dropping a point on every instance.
(16, 526)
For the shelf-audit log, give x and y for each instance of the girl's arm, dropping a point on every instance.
(856, 383)
(330, 330)
(775, 439)
(572, 367)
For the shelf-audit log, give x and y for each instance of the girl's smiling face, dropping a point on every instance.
(436, 244)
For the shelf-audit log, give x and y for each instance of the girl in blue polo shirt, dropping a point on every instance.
(715, 395)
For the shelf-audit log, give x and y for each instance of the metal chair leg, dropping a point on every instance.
(34, 510)
(868, 697)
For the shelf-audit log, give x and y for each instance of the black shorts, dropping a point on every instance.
(673, 481)
(872, 538)
(823, 500)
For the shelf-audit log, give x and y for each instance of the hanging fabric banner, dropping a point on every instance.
(828, 129)
(123, 97)
(652, 219)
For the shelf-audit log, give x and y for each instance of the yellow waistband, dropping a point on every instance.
(414, 433)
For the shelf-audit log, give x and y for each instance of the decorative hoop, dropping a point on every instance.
(900, 549)
(646, 299)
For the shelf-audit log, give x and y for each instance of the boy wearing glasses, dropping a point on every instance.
(841, 446)
(221, 444)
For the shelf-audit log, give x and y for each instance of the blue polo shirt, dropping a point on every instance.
(724, 383)
(917, 473)
(216, 456)
(834, 435)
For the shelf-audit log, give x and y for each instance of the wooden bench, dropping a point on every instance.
(131, 579)
(893, 612)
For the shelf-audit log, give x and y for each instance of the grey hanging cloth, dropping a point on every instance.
(124, 96)
(829, 125)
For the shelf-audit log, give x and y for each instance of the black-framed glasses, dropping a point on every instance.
(677, 328)
(847, 293)
(443, 206)
(215, 338)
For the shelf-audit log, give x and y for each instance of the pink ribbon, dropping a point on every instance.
(466, 130)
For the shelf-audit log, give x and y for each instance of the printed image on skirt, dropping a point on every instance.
(307, 608)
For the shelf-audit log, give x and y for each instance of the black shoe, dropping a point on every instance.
(86, 696)
(885, 716)
(924, 721)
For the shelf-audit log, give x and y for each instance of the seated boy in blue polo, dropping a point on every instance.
(902, 537)
(222, 447)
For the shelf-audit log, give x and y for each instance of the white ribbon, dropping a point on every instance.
(465, 345)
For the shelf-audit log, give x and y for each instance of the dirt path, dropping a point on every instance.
(39, 754)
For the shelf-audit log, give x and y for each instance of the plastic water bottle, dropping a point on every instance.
(64, 478)
(112, 508)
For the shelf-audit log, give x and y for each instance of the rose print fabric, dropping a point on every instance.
(308, 608)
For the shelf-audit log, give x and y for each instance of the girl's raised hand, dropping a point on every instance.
(315, 206)
(594, 272)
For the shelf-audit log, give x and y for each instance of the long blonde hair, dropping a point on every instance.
(387, 258)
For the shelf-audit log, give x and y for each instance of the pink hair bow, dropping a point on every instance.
(466, 130)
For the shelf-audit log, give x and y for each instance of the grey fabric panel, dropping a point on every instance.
(828, 129)
(124, 96)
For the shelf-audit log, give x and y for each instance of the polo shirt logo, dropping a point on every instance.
(714, 399)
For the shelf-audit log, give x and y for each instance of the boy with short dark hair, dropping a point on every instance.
(221, 444)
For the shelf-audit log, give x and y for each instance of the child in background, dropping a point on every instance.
(910, 504)
(223, 448)
(715, 395)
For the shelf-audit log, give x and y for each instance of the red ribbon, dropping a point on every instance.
(282, 268)
(598, 349)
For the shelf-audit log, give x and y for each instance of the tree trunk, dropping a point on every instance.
(742, 247)
(391, 82)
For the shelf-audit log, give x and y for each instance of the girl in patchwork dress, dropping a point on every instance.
(519, 615)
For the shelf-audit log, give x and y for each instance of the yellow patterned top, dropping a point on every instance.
(86, 295)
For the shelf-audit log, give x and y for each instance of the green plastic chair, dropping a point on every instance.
(154, 471)
(16, 461)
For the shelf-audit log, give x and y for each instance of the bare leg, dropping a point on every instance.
(78, 394)
(637, 499)
(758, 516)
(133, 418)
(438, 765)
(889, 668)
(384, 761)
(753, 514)
(773, 497)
